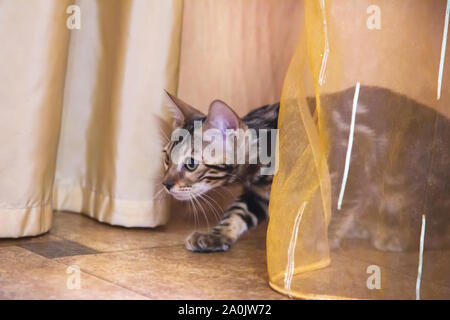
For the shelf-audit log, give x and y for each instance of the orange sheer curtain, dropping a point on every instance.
(337, 50)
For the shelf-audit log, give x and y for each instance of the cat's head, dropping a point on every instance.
(188, 174)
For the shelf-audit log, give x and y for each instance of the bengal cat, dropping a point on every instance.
(396, 173)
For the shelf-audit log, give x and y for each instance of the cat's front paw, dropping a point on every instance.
(207, 242)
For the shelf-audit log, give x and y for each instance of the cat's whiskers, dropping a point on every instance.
(194, 211)
(159, 194)
(210, 200)
(215, 212)
(165, 136)
(203, 210)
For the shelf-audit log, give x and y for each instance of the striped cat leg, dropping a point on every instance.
(244, 214)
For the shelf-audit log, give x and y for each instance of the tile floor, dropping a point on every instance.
(121, 263)
(139, 263)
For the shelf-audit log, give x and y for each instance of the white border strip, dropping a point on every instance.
(291, 251)
(350, 145)
(444, 45)
(326, 49)
(419, 269)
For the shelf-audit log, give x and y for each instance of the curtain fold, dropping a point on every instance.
(33, 54)
(119, 62)
(97, 157)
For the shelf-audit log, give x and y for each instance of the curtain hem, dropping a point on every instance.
(121, 212)
(25, 222)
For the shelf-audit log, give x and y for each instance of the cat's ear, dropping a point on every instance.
(222, 117)
(181, 111)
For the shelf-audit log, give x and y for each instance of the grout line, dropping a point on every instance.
(104, 279)
(127, 250)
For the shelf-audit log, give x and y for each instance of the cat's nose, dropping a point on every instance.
(168, 185)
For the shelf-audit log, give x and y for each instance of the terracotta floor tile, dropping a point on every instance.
(153, 263)
(175, 273)
(25, 275)
(106, 238)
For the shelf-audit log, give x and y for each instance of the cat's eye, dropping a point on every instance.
(190, 164)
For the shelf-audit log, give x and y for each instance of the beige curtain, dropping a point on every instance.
(33, 51)
(107, 78)
(81, 110)
(119, 62)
